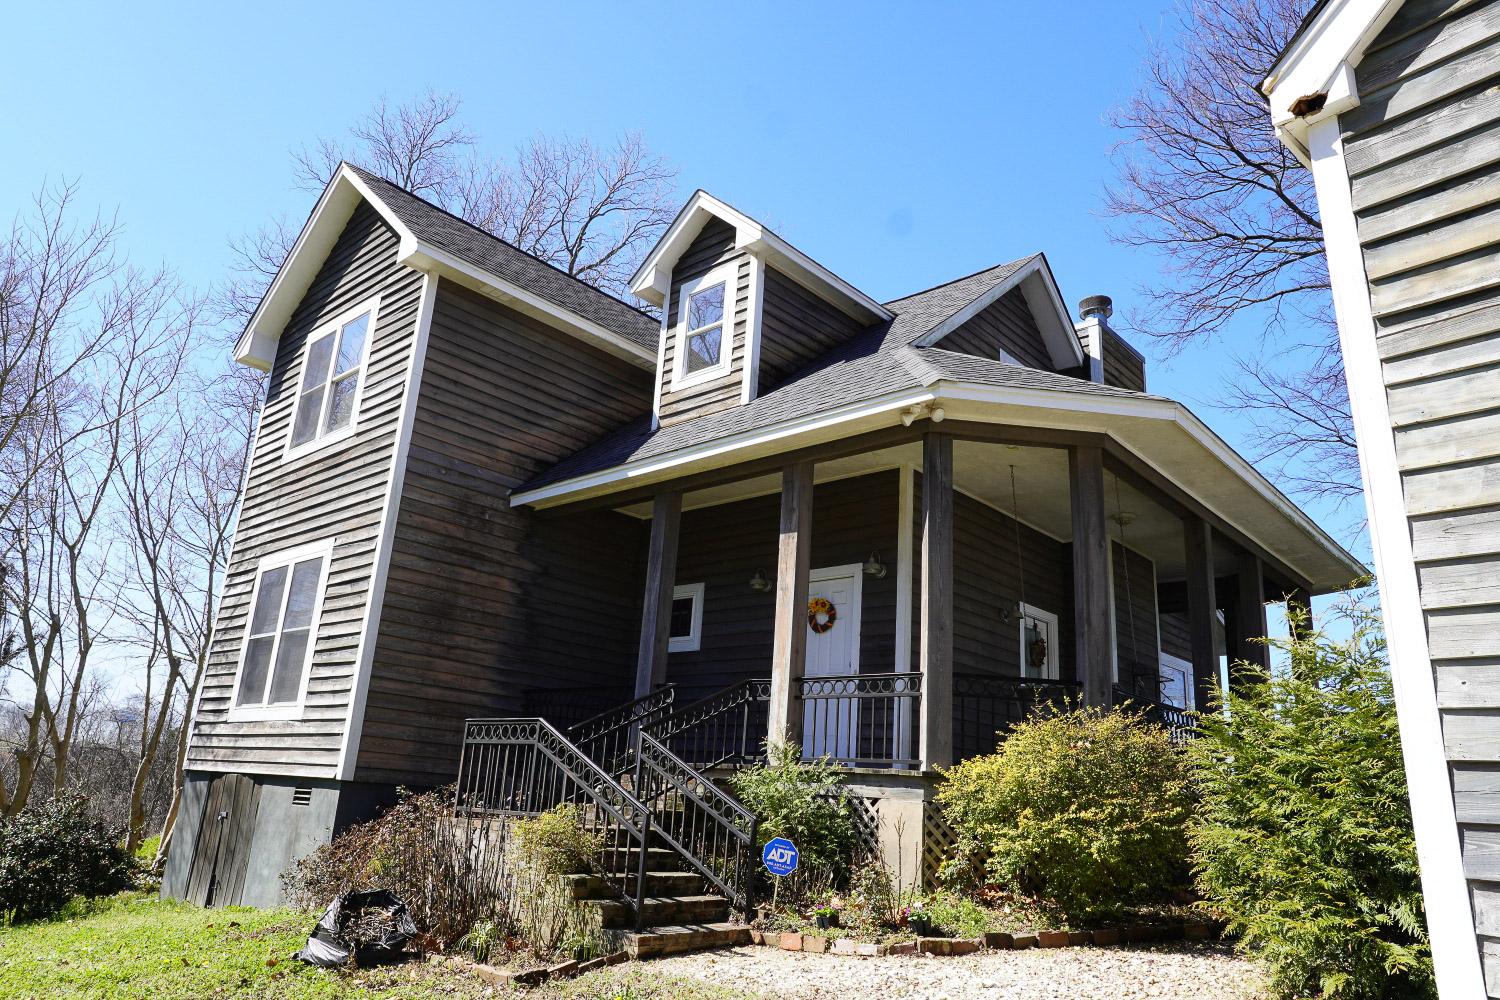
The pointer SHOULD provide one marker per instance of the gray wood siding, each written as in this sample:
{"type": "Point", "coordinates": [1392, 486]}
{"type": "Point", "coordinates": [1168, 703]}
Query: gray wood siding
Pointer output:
{"type": "Point", "coordinates": [1124, 368]}
{"type": "Point", "coordinates": [1136, 644]}
{"type": "Point", "coordinates": [1423, 152]}
{"type": "Point", "coordinates": [1176, 637]}
{"type": "Point", "coordinates": [723, 546]}
{"type": "Point", "coordinates": [1005, 324]}
{"type": "Point", "coordinates": [484, 601]}
{"type": "Point", "coordinates": [796, 328]}
{"type": "Point", "coordinates": [714, 246]}
{"type": "Point", "coordinates": [336, 494]}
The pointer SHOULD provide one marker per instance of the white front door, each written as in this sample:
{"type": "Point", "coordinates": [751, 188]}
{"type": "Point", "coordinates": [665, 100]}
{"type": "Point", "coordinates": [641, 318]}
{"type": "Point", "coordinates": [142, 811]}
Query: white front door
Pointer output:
{"type": "Point", "coordinates": [830, 724]}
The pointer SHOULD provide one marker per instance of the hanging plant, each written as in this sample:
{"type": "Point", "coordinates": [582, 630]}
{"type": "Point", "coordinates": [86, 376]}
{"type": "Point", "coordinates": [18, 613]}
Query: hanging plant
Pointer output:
{"type": "Point", "coordinates": [1036, 653]}
{"type": "Point", "coordinates": [821, 614]}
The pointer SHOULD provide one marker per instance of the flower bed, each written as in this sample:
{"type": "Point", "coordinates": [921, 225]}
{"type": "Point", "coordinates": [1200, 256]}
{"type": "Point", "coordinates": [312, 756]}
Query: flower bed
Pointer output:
{"type": "Point", "coordinates": [825, 942]}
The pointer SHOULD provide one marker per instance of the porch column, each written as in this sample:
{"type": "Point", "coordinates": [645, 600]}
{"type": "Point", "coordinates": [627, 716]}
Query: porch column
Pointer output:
{"type": "Point", "coordinates": [793, 560]}
{"type": "Point", "coordinates": [1090, 574]}
{"type": "Point", "coordinates": [937, 601]}
{"type": "Point", "coordinates": [1198, 546]}
{"type": "Point", "coordinates": [661, 579]}
{"type": "Point", "coordinates": [1249, 613]}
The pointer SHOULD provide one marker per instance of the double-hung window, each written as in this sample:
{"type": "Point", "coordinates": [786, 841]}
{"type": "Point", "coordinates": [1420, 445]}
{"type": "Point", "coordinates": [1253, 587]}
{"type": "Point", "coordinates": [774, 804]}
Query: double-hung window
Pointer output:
{"type": "Point", "coordinates": [703, 337]}
{"type": "Point", "coordinates": [686, 632]}
{"type": "Point", "coordinates": [328, 395]}
{"type": "Point", "coordinates": [284, 609]}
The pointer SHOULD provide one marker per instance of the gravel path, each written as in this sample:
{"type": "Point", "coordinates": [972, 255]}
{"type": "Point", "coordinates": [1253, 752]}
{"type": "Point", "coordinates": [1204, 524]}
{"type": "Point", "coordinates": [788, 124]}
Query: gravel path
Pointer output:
{"type": "Point", "coordinates": [1180, 973]}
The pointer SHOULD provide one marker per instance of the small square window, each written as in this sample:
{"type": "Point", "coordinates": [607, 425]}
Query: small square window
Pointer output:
{"type": "Point", "coordinates": [328, 394]}
{"type": "Point", "coordinates": [686, 629]}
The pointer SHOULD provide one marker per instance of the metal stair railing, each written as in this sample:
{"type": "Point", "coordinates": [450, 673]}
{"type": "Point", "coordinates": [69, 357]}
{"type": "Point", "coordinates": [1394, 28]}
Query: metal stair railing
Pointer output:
{"type": "Point", "coordinates": [607, 737]}
{"type": "Point", "coordinates": [513, 768]}
{"type": "Point", "coordinates": [1181, 724]}
{"type": "Point", "coordinates": [726, 727]}
{"type": "Point", "coordinates": [709, 828]}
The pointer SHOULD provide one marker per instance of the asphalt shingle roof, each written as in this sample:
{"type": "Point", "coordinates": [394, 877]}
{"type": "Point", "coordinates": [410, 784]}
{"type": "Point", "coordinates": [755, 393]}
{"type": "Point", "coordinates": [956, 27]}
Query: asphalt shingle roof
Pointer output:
{"type": "Point", "coordinates": [469, 243]}
{"type": "Point", "coordinates": [876, 363]}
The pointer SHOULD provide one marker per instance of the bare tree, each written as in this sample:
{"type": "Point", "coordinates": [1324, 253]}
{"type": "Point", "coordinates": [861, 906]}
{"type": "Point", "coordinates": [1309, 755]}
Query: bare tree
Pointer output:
{"type": "Point", "coordinates": [1205, 183]}
{"type": "Point", "coordinates": [590, 210]}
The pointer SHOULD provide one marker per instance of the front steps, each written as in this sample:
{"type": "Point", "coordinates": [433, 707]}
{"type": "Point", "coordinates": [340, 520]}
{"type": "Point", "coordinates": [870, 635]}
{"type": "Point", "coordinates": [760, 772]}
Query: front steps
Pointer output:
{"type": "Point", "coordinates": [676, 915]}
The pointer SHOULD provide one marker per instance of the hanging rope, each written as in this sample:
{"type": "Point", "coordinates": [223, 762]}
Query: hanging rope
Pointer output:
{"type": "Point", "coordinates": [1015, 517]}
{"type": "Point", "coordinates": [1125, 560]}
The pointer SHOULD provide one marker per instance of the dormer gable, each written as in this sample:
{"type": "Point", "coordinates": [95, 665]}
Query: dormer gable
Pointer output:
{"type": "Point", "coordinates": [740, 307]}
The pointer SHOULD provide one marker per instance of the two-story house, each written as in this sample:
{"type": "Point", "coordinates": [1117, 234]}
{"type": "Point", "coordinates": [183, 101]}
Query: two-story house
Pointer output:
{"type": "Point", "coordinates": [481, 487]}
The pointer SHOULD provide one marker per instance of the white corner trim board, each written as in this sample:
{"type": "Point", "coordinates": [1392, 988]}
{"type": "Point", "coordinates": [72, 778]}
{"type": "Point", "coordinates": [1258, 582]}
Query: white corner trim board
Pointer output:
{"type": "Point", "coordinates": [369, 630]}
{"type": "Point", "coordinates": [1450, 919]}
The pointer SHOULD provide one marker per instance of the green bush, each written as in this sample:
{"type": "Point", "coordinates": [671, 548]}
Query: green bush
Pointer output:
{"type": "Point", "coordinates": [555, 842]}
{"type": "Point", "coordinates": [1304, 840]}
{"type": "Point", "coordinates": [1084, 810]}
{"type": "Point", "coordinates": [804, 802]}
{"type": "Point", "coordinates": [52, 852]}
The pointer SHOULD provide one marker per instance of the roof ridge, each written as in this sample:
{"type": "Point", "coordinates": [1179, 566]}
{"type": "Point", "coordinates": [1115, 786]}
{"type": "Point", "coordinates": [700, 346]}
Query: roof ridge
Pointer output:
{"type": "Point", "coordinates": [370, 175]}
{"type": "Point", "coordinates": [966, 277]}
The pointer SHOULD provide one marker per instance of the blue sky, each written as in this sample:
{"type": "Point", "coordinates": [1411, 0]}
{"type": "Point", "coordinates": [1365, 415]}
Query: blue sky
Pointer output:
{"type": "Point", "coordinates": [901, 145]}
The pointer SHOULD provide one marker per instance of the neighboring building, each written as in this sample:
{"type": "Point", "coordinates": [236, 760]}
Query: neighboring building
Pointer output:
{"type": "Point", "coordinates": [1396, 108]}
{"type": "Point", "coordinates": [481, 487]}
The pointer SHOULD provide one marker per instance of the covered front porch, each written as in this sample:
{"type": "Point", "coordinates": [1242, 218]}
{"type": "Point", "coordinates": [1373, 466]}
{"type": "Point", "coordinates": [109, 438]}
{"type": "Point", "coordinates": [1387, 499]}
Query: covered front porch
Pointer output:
{"type": "Point", "coordinates": [895, 599]}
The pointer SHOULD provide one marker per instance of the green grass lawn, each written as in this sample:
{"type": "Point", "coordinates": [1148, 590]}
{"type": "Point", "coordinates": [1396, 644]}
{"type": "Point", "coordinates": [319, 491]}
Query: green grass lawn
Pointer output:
{"type": "Point", "coordinates": [135, 945]}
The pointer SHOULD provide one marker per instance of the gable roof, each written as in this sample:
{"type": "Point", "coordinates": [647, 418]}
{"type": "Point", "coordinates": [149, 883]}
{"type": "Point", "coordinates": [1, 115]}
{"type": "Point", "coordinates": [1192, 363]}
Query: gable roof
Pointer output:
{"type": "Point", "coordinates": [652, 279]}
{"type": "Point", "coordinates": [438, 242]}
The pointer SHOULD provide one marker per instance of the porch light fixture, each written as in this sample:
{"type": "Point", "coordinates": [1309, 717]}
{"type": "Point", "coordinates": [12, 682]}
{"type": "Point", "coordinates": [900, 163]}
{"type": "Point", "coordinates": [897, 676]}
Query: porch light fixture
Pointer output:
{"type": "Point", "coordinates": [874, 567]}
{"type": "Point", "coordinates": [759, 583]}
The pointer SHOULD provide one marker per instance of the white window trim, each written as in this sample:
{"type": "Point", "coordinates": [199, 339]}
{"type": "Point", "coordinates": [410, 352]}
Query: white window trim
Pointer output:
{"type": "Point", "coordinates": [691, 642]}
{"type": "Point", "coordinates": [287, 711]}
{"type": "Point", "coordinates": [1186, 666]}
{"type": "Point", "coordinates": [1053, 669]}
{"type": "Point", "coordinates": [320, 442]}
{"type": "Point", "coordinates": [727, 275]}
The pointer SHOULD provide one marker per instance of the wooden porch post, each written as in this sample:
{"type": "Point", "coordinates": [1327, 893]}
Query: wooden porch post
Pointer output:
{"type": "Point", "coordinates": [1090, 574]}
{"type": "Point", "coordinates": [937, 601]}
{"type": "Point", "coordinates": [793, 561]}
{"type": "Point", "coordinates": [1249, 613]}
{"type": "Point", "coordinates": [661, 579]}
{"type": "Point", "coordinates": [1198, 545]}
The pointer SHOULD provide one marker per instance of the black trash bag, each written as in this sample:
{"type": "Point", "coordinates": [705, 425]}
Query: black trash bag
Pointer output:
{"type": "Point", "coordinates": [369, 927]}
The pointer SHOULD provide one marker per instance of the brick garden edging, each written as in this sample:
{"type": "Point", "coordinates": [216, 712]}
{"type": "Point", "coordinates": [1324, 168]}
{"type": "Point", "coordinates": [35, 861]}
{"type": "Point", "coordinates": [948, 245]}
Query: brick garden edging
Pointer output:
{"type": "Point", "coordinates": [995, 940]}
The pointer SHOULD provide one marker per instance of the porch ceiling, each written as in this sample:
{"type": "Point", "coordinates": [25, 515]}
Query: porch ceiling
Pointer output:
{"type": "Point", "coordinates": [982, 471]}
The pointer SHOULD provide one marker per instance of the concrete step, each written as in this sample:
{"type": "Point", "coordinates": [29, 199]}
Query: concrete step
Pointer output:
{"type": "Point", "coordinates": [673, 939]}
{"type": "Point", "coordinates": [626, 858]}
{"type": "Point", "coordinates": [658, 883]}
{"type": "Point", "coordinates": [659, 910]}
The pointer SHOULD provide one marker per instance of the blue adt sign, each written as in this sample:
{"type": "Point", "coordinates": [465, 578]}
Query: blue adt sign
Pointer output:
{"type": "Point", "coordinates": [780, 856]}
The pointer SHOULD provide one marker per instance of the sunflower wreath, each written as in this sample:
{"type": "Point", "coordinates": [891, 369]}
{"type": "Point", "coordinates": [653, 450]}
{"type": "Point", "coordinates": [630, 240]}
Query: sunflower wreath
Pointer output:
{"type": "Point", "coordinates": [821, 614]}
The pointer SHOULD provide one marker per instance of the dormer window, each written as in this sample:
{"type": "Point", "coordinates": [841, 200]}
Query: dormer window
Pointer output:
{"type": "Point", "coordinates": [332, 372]}
{"type": "Point", "coordinates": [703, 334]}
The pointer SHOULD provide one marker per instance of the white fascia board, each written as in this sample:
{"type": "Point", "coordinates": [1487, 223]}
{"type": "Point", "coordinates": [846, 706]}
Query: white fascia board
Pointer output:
{"type": "Point", "coordinates": [652, 280]}
{"type": "Point", "coordinates": [1043, 298]}
{"type": "Point", "coordinates": [1450, 919]}
{"type": "Point", "coordinates": [256, 346]}
{"type": "Point", "coordinates": [781, 436]}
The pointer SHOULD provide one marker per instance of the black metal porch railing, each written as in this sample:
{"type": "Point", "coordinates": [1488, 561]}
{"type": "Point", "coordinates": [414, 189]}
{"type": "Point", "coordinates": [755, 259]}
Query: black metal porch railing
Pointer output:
{"type": "Point", "coordinates": [985, 707]}
{"type": "Point", "coordinates": [522, 767]}
{"type": "Point", "coordinates": [1181, 724]}
{"type": "Point", "coordinates": [862, 720]}
{"type": "Point", "coordinates": [712, 832]}
{"type": "Point", "coordinates": [607, 737]}
{"type": "Point", "coordinates": [726, 727]}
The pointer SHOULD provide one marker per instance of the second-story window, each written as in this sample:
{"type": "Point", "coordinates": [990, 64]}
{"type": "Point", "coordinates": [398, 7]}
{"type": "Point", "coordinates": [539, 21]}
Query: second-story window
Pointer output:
{"type": "Point", "coordinates": [328, 394]}
{"type": "Point", "coordinates": [703, 340]}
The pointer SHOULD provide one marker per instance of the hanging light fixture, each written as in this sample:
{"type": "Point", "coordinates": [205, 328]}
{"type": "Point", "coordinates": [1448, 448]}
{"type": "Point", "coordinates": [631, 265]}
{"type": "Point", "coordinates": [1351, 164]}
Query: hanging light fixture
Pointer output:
{"type": "Point", "coordinates": [759, 582]}
{"type": "Point", "coordinates": [874, 567]}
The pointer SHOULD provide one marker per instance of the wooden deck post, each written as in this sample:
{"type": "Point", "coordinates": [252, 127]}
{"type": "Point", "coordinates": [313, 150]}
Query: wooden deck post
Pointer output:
{"type": "Point", "coordinates": [1198, 548]}
{"type": "Point", "coordinates": [1249, 613]}
{"type": "Point", "coordinates": [937, 601]}
{"type": "Point", "coordinates": [1090, 575]}
{"type": "Point", "coordinates": [793, 562]}
{"type": "Point", "coordinates": [661, 580]}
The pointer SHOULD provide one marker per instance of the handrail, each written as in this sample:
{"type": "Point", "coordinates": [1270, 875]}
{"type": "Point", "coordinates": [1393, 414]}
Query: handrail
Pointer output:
{"type": "Point", "coordinates": [523, 767]}
{"type": "Point", "coordinates": [986, 706]}
{"type": "Point", "coordinates": [711, 830]}
{"type": "Point", "coordinates": [1181, 724]}
{"type": "Point", "coordinates": [862, 719]}
{"type": "Point", "coordinates": [605, 737]}
{"type": "Point", "coordinates": [728, 726]}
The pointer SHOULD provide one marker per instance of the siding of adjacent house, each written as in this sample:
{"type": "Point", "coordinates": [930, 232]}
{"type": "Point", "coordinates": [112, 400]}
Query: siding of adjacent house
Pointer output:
{"type": "Point", "coordinates": [1423, 154]}
{"type": "Point", "coordinates": [714, 246]}
{"type": "Point", "coordinates": [484, 601]}
{"type": "Point", "coordinates": [339, 494]}
{"type": "Point", "coordinates": [1006, 324]}
{"type": "Point", "coordinates": [796, 328]}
